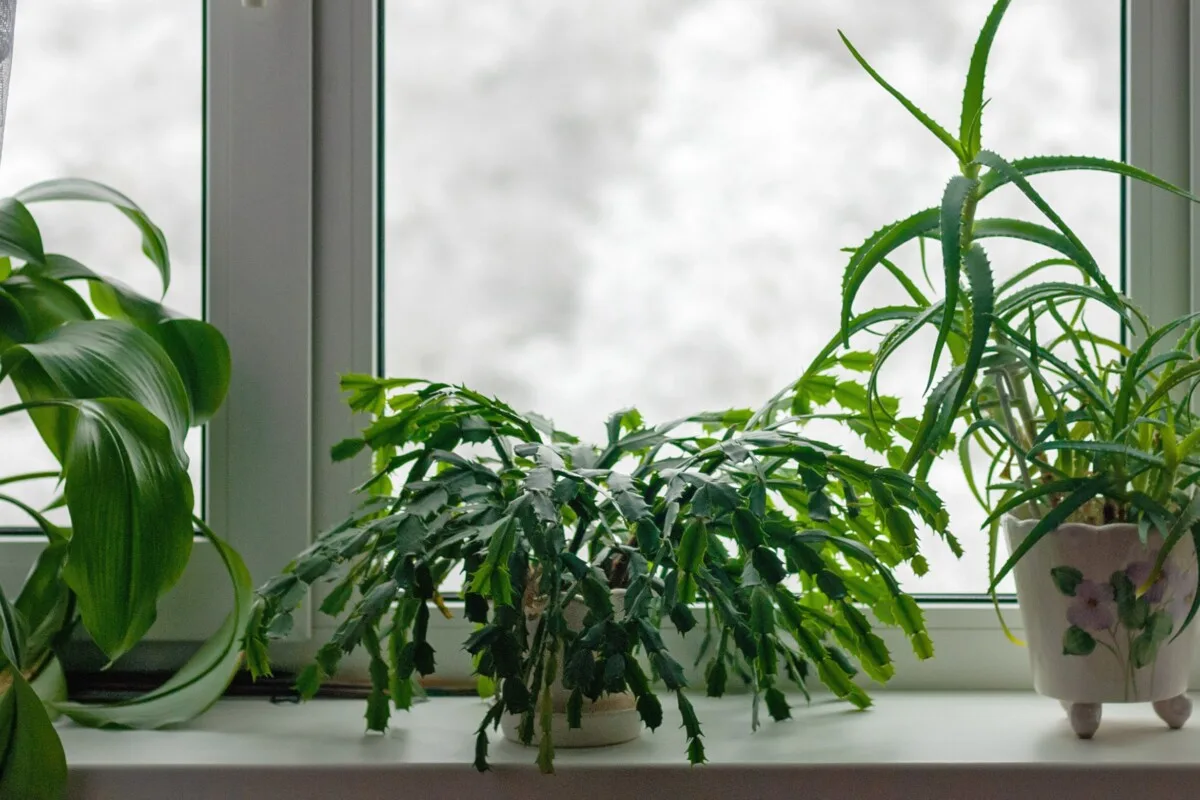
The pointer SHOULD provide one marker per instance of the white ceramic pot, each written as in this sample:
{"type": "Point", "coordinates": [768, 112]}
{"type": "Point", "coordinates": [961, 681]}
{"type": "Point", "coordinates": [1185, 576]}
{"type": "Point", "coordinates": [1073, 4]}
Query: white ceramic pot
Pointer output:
{"type": "Point", "coordinates": [612, 719]}
{"type": "Point", "coordinates": [1091, 639]}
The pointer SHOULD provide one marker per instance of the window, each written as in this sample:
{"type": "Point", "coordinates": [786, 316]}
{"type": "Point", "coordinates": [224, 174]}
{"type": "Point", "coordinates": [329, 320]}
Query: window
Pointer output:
{"type": "Point", "coordinates": [622, 202]}
{"type": "Point", "coordinates": [630, 203]}
{"type": "Point", "coordinates": [116, 96]}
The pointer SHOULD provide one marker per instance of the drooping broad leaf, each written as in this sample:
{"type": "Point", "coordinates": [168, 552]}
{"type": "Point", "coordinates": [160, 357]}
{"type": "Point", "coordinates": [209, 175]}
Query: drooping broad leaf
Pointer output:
{"type": "Point", "coordinates": [154, 243]}
{"type": "Point", "coordinates": [200, 682]}
{"type": "Point", "coordinates": [130, 501]}
{"type": "Point", "coordinates": [33, 765]}
{"type": "Point", "coordinates": [99, 359]}
{"type": "Point", "coordinates": [196, 348]}
{"type": "Point", "coordinates": [19, 234]}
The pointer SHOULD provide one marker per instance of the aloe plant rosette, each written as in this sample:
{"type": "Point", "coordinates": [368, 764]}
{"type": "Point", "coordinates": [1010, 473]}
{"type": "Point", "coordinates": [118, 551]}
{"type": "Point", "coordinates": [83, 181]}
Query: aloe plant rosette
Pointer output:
{"type": "Point", "coordinates": [1089, 445]}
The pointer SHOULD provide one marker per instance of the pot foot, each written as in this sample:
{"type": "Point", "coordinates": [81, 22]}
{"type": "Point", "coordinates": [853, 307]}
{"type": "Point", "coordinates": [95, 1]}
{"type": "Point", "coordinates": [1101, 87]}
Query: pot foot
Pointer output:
{"type": "Point", "coordinates": [1174, 711]}
{"type": "Point", "coordinates": [1085, 718]}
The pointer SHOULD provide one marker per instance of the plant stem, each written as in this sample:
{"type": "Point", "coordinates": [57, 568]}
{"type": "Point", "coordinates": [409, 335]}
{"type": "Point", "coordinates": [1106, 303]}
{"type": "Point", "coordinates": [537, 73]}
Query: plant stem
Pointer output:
{"type": "Point", "coordinates": [30, 476]}
{"type": "Point", "coordinates": [1002, 392]}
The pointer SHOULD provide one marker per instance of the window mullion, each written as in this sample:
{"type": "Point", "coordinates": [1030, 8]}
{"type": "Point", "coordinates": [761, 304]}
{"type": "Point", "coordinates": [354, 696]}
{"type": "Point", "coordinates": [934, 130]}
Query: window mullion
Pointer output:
{"type": "Point", "coordinates": [1158, 133]}
{"type": "Point", "coordinates": [260, 212]}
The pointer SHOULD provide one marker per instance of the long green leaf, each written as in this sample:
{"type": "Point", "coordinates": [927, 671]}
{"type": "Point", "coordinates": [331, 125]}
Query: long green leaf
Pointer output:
{"type": "Point", "coordinates": [1037, 165]}
{"type": "Point", "coordinates": [154, 244]}
{"type": "Point", "coordinates": [871, 253]}
{"type": "Point", "coordinates": [934, 128]}
{"type": "Point", "coordinates": [1061, 486]}
{"type": "Point", "coordinates": [1055, 517]}
{"type": "Point", "coordinates": [936, 421]}
{"type": "Point", "coordinates": [130, 501]}
{"type": "Point", "coordinates": [1051, 291]}
{"type": "Point", "coordinates": [200, 682]}
{"type": "Point", "coordinates": [19, 234]}
{"type": "Point", "coordinates": [1100, 449]}
{"type": "Point", "coordinates": [33, 765]}
{"type": "Point", "coordinates": [1181, 527]}
{"type": "Point", "coordinates": [950, 221]}
{"type": "Point", "coordinates": [44, 305]}
{"type": "Point", "coordinates": [45, 600]}
{"type": "Point", "coordinates": [99, 359]}
{"type": "Point", "coordinates": [1039, 234]}
{"type": "Point", "coordinates": [979, 280]}
{"type": "Point", "coordinates": [52, 531]}
{"type": "Point", "coordinates": [1031, 270]}
{"type": "Point", "coordinates": [1097, 400]}
{"type": "Point", "coordinates": [197, 349]}
{"type": "Point", "coordinates": [1086, 261]}
{"type": "Point", "coordinates": [892, 342]}
{"type": "Point", "coordinates": [1189, 372]}
{"type": "Point", "coordinates": [970, 123]}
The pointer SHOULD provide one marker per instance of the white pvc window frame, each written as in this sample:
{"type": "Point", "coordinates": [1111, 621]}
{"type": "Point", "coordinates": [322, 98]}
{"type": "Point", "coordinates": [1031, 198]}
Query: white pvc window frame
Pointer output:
{"type": "Point", "coordinates": [292, 202]}
{"type": "Point", "coordinates": [1162, 54]}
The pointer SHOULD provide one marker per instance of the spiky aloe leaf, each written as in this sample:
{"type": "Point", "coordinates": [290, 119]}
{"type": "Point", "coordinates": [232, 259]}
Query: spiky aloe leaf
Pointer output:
{"type": "Point", "coordinates": [971, 123]}
{"type": "Point", "coordinates": [871, 253]}
{"type": "Point", "coordinates": [892, 341]}
{"type": "Point", "coordinates": [1182, 375]}
{"type": "Point", "coordinates": [1182, 526]}
{"type": "Point", "coordinates": [1038, 165]}
{"type": "Point", "coordinates": [983, 298]}
{"type": "Point", "coordinates": [1133, 366]}
{"type": "Point", "coordinates": [996, 163]}
{"type": "Point", "coordinates": [1053, 291]}
{"type": "Point", "coordinates": [1098, 449]}
{"type": "Point", "coordinates": [934, 128]}
{"type": "Point", "coordinates": [935, 421]}
{"type": "Point", "coordinates": [955, 201]}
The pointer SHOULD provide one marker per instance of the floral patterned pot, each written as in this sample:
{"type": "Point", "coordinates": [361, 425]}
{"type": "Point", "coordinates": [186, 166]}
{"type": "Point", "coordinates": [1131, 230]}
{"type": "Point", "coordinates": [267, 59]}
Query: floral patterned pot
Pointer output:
{"type": "Point", "coordinates": [1091, 639]}
{"type": "Point", "coordinates": [612, 719]}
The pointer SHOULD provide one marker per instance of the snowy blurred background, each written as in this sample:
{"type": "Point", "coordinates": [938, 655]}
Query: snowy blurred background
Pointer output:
{"type": "Point", "coordinates": [591, 204]}
{"type": "Point", "coordinates": [110, 90]}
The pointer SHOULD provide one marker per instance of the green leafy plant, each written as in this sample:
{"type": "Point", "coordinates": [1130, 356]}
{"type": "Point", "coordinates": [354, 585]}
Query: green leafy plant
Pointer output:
{"type": "Point", "coordinates": [781, 539]}
{"type": "Point", "coordinates": [1073, 426]}
{"type": "Point", "coordinates": [112, 397]}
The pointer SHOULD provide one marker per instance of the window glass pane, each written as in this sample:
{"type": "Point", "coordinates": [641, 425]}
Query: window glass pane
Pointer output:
{"type": "Point", "coordinates": [590, 205]}
{"type": "Point", "coordinates": [110, 90]}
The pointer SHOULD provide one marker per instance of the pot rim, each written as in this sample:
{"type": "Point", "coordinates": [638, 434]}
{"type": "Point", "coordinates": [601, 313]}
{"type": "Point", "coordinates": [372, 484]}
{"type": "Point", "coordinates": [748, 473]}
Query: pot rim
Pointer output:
{"type": "Point", "coordinates": [1026, 524]}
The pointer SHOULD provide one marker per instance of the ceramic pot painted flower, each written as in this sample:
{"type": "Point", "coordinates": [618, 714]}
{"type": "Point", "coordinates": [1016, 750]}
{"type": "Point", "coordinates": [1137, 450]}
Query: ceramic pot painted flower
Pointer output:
{"type": "Point", "coordinates": [1092, 608]}
{"type": "Point", "coordinates": [1109, 614]}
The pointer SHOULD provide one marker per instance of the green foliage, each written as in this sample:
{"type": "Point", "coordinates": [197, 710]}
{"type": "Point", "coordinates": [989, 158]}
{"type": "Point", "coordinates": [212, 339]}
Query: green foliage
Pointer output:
{"type": "Point", "coordinates": [112, 388]}
{"type": "Point", "coordinates": [778, 535]}
{"type": "Point", "coordinates": [1073, 426]}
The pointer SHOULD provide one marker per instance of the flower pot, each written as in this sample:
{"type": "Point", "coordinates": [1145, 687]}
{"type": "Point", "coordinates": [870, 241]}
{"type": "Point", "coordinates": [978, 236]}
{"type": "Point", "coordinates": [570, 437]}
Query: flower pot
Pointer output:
{"type": "Point", "coordinates": [1091, 639]}
{"type": "Point", "coordinates": [612, 719]}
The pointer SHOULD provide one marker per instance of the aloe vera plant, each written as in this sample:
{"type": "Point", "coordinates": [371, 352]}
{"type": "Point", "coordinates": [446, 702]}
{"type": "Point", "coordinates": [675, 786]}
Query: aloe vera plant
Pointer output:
{"type": "Point", "coordinates": [1073, 426]}
{"type": "Point", "coordinates": [782, 539]}
{"type": "Point", "coordinates": [113, 387]}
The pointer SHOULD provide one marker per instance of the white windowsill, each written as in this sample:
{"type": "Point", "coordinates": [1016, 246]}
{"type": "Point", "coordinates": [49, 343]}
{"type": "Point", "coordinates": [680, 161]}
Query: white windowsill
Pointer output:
{"type": "Point", "coordinates": [976, 745]}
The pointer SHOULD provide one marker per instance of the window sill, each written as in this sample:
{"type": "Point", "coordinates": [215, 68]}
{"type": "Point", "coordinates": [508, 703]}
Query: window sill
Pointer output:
{"type": "Point", "coordinates": [912, 744]}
